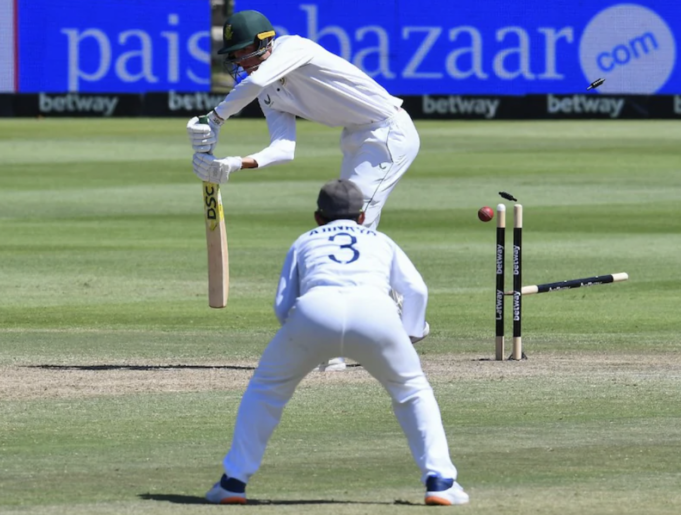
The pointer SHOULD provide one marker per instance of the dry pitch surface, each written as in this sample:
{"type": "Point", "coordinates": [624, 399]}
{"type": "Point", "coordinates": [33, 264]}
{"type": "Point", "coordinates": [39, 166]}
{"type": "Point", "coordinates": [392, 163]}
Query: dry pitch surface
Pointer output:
{"type": "Point", "coordinates": [50, 381]}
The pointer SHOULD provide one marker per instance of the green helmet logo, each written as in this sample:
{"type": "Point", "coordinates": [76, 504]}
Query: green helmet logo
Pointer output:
{"type": "Point", "coordinates": [246, 28]}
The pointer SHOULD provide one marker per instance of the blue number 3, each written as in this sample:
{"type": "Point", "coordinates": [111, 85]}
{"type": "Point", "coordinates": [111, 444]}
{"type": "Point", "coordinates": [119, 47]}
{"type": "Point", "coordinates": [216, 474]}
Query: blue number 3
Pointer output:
{"type": "Point", "coordinates": [355, 252]}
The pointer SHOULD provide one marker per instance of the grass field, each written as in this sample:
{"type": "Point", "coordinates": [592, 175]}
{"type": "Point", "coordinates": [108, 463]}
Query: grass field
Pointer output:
{"type": "Point", "coordinates": [119, 386]}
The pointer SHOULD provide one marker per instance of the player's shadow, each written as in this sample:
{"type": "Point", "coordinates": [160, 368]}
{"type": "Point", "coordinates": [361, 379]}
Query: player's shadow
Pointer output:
{"type": "Point", "coordinates": [140, 367]}
{"type": "Point", "coordinates": [192, 499]}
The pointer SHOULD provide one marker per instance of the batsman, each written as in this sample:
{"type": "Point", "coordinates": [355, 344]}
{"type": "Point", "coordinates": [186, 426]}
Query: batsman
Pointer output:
{"type": "Point", "coordinates": [292, 76]}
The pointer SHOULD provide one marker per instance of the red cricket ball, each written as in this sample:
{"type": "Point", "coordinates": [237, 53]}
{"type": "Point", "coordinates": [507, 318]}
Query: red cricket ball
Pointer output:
{"type": "Point", "coordinates": [485, 214]}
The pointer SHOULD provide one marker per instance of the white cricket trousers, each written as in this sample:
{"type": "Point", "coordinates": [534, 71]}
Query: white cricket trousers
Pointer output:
{"type": "Point", "coordinates": [375, 156]}
{"type": "Point", "coordinates": [363, 324]}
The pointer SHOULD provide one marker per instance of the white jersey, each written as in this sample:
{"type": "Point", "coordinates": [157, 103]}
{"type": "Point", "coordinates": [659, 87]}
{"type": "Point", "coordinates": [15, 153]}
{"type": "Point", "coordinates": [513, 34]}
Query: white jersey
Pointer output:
{"type": "Point", "coordinates": [300, 78]}
{"type": "Point", "coordinates": [345, 254]}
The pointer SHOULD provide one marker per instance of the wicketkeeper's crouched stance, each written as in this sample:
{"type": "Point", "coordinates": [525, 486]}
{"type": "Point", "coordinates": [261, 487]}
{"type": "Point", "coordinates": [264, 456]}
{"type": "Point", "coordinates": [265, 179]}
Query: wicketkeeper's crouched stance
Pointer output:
{"type": "Point", "coordinates": [333, 300]}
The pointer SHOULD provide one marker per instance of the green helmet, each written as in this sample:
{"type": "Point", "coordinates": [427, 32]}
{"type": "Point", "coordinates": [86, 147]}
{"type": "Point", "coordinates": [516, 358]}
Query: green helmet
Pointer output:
{"type": "Point", "coordinates": [246, 28]}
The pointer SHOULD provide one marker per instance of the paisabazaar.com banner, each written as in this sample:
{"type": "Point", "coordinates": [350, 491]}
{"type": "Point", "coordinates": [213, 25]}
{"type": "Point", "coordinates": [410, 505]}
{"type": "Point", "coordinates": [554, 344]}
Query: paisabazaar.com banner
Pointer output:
{"type": "Point", "coordinates": [113, 46]}
{"type": "Point", "coordinates": [495, 47]}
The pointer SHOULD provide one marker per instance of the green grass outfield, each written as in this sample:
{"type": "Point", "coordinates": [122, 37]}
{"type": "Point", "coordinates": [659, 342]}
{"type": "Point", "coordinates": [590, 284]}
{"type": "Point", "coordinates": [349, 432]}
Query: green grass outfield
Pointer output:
{"type": "Point", "coordinates": [119, 386]}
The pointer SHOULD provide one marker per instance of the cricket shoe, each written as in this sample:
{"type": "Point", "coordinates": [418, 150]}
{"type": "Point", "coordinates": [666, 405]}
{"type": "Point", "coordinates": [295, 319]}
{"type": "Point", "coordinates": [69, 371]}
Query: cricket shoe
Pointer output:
{"type": "Point", "coordinates": [333, 365]}
{"type": "Point", "coordinates": [444, 492]}
{"type": "Point", "coordinates": [227, 491]}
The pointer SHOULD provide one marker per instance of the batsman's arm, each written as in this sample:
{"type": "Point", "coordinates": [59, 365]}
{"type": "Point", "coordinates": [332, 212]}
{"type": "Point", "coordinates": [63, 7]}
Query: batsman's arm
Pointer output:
{"type": "Point", "coordinates": [282, 129]}
{"type": "Point", "coordinates": [248, 162]}
{"type": "Point", "coordinates": [243, 94]}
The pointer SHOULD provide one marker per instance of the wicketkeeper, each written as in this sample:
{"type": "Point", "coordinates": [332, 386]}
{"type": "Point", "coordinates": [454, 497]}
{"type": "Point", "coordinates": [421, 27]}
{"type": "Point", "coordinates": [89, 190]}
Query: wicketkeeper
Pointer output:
{"type": "Point", "coordinates": [333, 300]}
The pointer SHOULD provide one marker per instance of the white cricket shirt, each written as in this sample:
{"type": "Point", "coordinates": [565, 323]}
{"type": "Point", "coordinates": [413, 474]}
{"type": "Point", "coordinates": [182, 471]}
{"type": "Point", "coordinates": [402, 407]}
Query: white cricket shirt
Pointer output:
{"type": "Point", "coordinates": [345, 254]}
{"type": "Point", "coordinates": [300, 78]}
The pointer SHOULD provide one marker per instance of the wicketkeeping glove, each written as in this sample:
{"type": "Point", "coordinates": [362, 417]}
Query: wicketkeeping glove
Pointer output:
{"type": "Point", "coordinates": [210, 169]}
{"type": "Point", "coordinates": [204, 137]}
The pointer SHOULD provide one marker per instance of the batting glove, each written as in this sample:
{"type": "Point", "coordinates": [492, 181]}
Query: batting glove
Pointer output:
{"type": "Point", "coordinates": [210, 169]}
{"type": "Point", "coordinates": [204, 137]}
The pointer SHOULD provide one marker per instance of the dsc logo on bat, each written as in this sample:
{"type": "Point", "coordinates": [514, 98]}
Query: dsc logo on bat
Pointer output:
{"type": "Point", "coordinates": [213, 204]}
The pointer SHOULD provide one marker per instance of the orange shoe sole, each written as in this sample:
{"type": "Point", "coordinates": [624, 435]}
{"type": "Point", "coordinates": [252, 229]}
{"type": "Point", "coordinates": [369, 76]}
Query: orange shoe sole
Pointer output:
{"type": "Point", "coordinates": [233, 500]}
{"type": "Point", "coordinates": [432, 500]}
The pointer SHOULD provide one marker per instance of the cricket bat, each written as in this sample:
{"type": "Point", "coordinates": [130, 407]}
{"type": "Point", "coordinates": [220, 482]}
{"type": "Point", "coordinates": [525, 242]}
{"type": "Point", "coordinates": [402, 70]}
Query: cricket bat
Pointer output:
{"type": "Point", "coordinates": [216, 241]}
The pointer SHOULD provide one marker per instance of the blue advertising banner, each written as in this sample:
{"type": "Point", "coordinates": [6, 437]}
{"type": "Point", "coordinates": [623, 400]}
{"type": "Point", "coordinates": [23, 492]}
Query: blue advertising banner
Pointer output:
{"type": "Point", "coordinates": [494, 46]}
{"type": "Point", "coordinates": [122, 46]}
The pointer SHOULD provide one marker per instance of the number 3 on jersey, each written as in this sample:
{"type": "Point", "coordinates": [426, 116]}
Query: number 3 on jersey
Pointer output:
{"type": "Point", "coordinates": [349, 246]}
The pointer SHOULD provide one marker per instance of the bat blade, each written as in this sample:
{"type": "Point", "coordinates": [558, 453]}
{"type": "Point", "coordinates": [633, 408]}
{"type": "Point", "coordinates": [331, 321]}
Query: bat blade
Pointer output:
{"type": "Point", "coordinates": [216, 241]}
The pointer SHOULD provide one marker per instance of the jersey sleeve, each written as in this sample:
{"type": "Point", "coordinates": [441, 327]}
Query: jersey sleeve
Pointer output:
{"type": "Point", "coordinates": [282, 128]}
{"type": "Point", "coordinates": [406, 280]}
{"type": "Point", "coordinates": [243, 94]}
{"type": "Point", "coordinates": [289, 288]}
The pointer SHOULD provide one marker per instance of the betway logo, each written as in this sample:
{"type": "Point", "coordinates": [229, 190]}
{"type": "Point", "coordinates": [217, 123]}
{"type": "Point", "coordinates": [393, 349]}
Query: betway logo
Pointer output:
{"type": "Point", "coordinates": [485, 107]}
{"type": "Point", "coordinates": [585, 104]}
{"type": "Point", "coordinates": [76, 103]}
{"type": "Point", "coordinates": [193, 101]}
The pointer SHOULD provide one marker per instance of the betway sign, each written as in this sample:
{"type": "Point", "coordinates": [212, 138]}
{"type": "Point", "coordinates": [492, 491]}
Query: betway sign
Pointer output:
{"type": "Point", "coordinates": [461, 106]}
{"type": "Point", "coordinates": [581, 104]}
{"type": "Point", "coordinates": [73, 103]}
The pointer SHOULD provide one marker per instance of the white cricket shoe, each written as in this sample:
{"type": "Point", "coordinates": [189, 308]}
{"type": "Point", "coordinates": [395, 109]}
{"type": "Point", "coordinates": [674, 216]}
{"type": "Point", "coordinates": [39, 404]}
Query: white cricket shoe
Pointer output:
{"type": "Point", "coordinates": [227, 491]}
{"type": "Point", "coordinates": [333, 365]}
{"type": "Point", "coordinates": [444, 492]}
